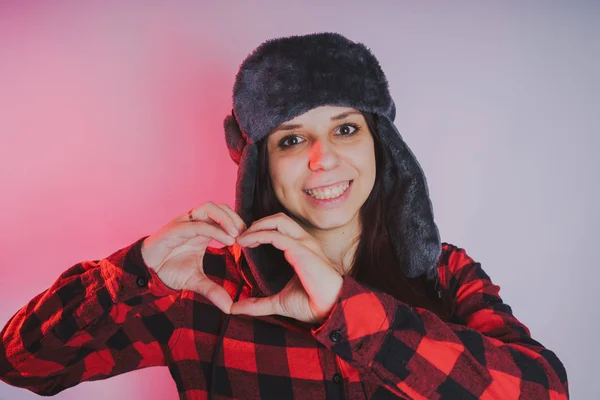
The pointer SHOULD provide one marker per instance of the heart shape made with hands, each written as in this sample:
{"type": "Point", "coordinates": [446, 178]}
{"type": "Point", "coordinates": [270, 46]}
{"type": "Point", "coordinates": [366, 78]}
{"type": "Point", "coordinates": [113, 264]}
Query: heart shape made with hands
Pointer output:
{"type": "Point", "coordinates": [313, 292]}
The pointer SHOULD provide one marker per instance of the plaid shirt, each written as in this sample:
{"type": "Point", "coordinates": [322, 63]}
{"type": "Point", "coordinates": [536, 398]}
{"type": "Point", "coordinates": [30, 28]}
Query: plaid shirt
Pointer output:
{"type": "Point", "coordinates": [103, 318]}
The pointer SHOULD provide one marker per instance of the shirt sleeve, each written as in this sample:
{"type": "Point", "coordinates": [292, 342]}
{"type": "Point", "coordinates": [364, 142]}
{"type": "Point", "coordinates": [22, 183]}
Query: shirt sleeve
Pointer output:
{"type": "Point", "coordinates": [413, 353]}
{"type": "Point", "coordinates": [99, 319]}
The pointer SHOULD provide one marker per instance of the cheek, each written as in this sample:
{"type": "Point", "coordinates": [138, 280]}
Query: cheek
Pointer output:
{"type": "Point", "coordinates": [276, 183]}
{"type": "Point", "coordinates": [372, 163]}
{"type": "Point", "coordinates": [274, 168]}
{"type": "Point", "coordinates": [284, 175]}
{"type": "Point", "coordinates": [364, 159]}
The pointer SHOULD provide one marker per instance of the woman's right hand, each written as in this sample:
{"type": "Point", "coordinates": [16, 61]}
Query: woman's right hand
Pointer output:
{"type": "Point", "coordinates": [176, 252]}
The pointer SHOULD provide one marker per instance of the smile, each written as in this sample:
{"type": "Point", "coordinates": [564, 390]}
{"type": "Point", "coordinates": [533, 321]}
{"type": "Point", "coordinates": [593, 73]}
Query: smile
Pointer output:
{"type": "Point", "coordinates": [329, 192]}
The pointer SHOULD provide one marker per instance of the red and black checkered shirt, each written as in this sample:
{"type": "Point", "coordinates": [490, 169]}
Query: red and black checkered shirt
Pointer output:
{"type": "Point", "coordinates": [106, 317]}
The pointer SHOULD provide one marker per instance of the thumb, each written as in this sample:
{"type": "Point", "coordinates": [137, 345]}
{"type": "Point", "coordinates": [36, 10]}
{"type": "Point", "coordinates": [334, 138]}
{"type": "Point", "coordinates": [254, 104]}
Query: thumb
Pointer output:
{"type": "Point", "coordinates": [257, 306]}
{"type": "Point", "coordinates": [214, 293]}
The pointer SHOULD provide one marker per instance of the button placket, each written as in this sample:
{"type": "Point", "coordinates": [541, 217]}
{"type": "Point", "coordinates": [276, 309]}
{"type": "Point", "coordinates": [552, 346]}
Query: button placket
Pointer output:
{"type": "Point", "coordinates": [337, 378]}
{"type": "Point", "coordinates": [335, 336]}
{"type": "Point", "coordinates": [141, 281]}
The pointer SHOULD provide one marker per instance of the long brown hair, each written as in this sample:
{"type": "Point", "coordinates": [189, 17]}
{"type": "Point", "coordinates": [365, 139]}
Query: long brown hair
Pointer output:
{"type": "Point", "coordinates": [374, 261]}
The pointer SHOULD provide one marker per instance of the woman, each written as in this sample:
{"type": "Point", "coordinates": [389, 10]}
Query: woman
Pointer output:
{"type": "Point", "coordinates": [333, 282]}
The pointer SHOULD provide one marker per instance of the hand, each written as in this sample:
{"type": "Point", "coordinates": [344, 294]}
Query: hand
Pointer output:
{"type": "Point", "coordinates": [314, 290]}
{"type": "Point", "coordinates": [176, 252]}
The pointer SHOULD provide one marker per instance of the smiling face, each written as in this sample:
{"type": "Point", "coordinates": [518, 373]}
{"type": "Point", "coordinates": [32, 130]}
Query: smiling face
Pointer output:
{"type": "Point", "coordinates": [322, 167]}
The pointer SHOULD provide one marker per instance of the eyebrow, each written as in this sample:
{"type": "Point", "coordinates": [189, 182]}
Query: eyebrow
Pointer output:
{"type": "Point", "coordinates": [289, 127]}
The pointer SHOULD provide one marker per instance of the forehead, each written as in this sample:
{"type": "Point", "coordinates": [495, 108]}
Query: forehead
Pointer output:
{"type": "Point", "coordinates": [324, 113]}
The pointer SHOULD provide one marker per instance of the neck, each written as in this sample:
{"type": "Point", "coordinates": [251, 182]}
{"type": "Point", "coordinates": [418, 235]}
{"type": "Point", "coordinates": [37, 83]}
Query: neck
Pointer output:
{"type": "Point", "coordinates": [339, 245]}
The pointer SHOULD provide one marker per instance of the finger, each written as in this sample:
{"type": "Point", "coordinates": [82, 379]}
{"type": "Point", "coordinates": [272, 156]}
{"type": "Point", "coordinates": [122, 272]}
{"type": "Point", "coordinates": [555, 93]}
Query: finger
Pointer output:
{"type": "Point", "coordinates": [186, 232]}
{"type": "Point", "coordinates": [279, 240]}
{"type": "Point", "coordinates": [286, 225]}
{"type": "Point", "coordinates": [214, 293]}
{"type": "Point", "coordinates": [238, 221]}
{"type": "Point", "coordinates": [317, 277]}
{"type": "Point", "coordinates": [256, 306]}
{"type": "Point", "coordinates": [210, 211]}
{"type": "Point", "coordinates": [218, 214]}
{"type": "Point", "coordinates": [293, 250]}
{"type": "Point", "coordinates": [279, 222]}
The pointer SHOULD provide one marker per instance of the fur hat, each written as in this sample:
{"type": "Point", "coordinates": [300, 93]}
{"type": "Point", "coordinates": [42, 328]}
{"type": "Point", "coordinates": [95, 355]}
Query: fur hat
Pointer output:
{"type": "Point", "coordinates": [286, 77]}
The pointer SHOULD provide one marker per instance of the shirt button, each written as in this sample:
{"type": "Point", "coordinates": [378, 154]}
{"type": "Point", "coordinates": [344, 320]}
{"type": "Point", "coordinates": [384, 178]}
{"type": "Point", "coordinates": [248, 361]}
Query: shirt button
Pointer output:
{"type": "Point", "coordinates": [337, 378]}
{"type": "Point", "coordinates": [335, 336]}
{"type": "Point", "coordinates": [141, 281]}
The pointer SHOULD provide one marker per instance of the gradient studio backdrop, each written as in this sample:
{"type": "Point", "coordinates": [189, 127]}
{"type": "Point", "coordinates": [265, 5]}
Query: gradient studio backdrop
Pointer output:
{"type": "Point", "coordinates": [111, 125]}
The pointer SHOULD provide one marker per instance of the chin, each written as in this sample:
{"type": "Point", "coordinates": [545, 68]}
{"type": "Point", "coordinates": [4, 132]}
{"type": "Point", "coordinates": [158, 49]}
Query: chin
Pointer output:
{"type": "Point", "coordinates": [331, 220]}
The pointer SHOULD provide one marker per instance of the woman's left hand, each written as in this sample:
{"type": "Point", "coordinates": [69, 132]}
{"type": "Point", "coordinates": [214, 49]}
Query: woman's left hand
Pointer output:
{"type": "Point", "coordinates": [311, 294]}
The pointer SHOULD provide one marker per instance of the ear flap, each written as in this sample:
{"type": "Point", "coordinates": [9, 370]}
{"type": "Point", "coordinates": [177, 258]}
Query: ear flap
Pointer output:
{"type": "Point", "coordinates": [234, 137]}
{"type": "Point", "coordinates": [413, 232]}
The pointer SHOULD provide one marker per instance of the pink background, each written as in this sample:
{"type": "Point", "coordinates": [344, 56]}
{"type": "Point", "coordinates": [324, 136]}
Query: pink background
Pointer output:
{"type": "Point", "coordinates": [111, 125]}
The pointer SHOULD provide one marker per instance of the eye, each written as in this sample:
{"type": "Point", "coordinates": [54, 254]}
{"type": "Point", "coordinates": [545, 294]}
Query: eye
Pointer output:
{"type": "Point", "coordinates": [289, 141]}
{"type": "Point", "coordinates": [347, 129]}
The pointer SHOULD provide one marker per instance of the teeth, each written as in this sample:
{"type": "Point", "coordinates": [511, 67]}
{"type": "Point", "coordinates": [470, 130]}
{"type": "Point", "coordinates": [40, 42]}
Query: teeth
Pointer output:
{"type": "Point", "coordinates": [330, 192]}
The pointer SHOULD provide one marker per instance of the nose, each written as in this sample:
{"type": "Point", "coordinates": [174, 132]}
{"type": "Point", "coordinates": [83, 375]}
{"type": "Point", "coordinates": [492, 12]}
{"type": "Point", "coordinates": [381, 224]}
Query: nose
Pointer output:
{"type": "Point", "coordinates": [322, 156]}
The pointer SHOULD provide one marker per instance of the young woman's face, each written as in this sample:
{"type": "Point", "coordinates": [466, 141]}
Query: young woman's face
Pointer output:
{"type": "Point", "coordinates": [322, 166]}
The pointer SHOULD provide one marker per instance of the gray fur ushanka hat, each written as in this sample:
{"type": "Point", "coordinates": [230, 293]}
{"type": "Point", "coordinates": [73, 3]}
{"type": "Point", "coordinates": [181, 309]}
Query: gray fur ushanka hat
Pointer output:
{"type": "Point", "coordinates": [286, 77]}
